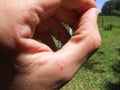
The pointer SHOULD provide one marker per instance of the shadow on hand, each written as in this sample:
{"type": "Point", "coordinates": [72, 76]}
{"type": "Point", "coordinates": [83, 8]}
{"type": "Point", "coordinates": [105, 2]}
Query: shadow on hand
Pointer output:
{"type": "Point", "coordinates": [7, 69]}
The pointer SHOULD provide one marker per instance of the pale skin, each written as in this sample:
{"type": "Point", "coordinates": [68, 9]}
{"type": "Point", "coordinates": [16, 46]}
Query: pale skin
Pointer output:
{"type": "Point", "coordinates": [31, 65]}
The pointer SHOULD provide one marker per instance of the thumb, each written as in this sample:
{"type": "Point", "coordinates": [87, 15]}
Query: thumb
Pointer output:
{"type": "Point", "coordinates": [29, 45]}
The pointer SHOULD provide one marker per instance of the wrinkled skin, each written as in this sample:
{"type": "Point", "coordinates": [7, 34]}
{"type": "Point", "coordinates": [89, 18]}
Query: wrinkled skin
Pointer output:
{"type": "Point", "coordinates": [27, 64]}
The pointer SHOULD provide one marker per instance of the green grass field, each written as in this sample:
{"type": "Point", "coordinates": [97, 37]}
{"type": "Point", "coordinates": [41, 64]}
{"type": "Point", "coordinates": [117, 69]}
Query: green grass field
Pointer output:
{"type": "Point", "coordinates": [102, 71]}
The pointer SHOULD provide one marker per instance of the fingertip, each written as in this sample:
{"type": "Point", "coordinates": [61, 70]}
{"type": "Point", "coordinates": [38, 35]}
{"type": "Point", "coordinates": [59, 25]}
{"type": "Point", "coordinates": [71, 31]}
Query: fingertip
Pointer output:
{"type": "Point", "coordinates": [93, 11]}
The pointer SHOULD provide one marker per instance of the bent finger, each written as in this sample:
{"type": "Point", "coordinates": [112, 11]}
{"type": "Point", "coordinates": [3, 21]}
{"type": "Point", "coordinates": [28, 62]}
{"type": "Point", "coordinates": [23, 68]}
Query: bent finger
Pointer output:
{"type": "Point", "coordinates": [85, 42]}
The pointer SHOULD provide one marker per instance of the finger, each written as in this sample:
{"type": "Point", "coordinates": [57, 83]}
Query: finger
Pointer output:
{"type": "Point", "coordinates": [85, 41]}
{"type": "Point", "coordinates": [46, 8]}
{"type": "Point", "coordinates": [68, 16]}
{"type": "Point", "coordinates": [88, 3]}
{"type": "Point", "coordinates": [43, 26]}
{"type": "Point", "coordinates": [28, 45]}
{"type": "Point", "coordinates": [46, 38]}
{"type": "Point", "coordinates": [55, 28]}
{"type": "Point", "coordinates": [81, 4]}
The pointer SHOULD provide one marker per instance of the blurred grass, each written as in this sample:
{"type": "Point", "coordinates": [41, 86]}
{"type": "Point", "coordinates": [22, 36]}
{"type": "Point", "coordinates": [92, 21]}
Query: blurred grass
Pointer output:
{"type": "Point", "coordinates": [102, 71]}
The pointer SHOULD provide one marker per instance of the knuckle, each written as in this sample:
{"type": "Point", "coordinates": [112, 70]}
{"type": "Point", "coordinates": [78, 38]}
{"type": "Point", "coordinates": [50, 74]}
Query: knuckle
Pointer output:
{"type": "Point", "coordinates": [62, 71]}
{"type": "Point", "coordinates": [97, 42]}
{"type": "Point", "coordinates": [94, 43]}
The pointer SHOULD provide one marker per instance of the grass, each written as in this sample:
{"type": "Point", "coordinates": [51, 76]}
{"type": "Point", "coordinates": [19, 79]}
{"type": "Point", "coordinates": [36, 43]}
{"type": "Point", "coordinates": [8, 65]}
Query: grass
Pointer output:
{"type": "Point", "coordinates": [102, 71]}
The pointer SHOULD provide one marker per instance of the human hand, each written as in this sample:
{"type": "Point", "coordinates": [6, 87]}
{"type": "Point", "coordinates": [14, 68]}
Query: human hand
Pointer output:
{"type": "Point", "coordinates": [36, 65]}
